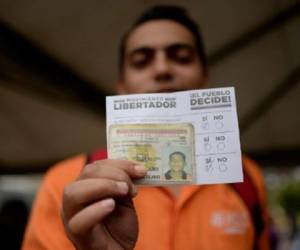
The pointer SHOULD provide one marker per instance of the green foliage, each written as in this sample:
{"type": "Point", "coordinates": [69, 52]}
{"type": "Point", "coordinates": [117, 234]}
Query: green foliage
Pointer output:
{"type": "Point", "coordinates": [289, 197]}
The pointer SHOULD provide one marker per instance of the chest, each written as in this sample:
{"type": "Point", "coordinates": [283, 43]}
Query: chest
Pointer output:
{"type": "Point", "coordinates": [207, 218]}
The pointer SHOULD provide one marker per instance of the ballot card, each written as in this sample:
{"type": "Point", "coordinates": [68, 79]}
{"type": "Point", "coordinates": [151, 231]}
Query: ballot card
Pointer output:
{"type": "Point", "coordinates": [185, 137]}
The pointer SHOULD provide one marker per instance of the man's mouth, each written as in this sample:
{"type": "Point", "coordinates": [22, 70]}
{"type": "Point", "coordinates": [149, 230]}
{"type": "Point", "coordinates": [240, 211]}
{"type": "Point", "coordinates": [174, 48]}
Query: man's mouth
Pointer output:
{"type": "Point", "coordinates": [167, 90]}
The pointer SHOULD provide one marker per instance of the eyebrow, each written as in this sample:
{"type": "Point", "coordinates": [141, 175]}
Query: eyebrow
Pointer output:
{"type": "Point", "coordinates": [150, 48]}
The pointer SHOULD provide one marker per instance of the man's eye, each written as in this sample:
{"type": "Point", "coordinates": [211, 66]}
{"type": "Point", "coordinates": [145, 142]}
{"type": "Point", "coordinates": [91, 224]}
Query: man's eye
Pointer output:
{"type": "Point", "coordinates": [139, 62]}
{"type": "Point", "coordinates": [181, 55]}
{"type": "Point", "coordinates": [141, 59]}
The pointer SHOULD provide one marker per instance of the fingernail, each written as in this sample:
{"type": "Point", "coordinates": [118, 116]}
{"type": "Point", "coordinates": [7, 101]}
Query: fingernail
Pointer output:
{"type": "Point", "coordinates": [134, 190]}
{"type": "Point", "coordinates": [108, 203]}
{"type": "Point", "coordinates": [123, 187]}
{"type": "Point", "coordinates": [140, 169]}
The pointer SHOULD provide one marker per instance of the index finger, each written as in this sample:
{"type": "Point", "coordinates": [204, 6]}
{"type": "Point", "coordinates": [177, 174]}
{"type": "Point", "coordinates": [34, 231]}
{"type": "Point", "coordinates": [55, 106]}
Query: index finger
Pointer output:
{"type": "Point", "coordinates": [132, 169]}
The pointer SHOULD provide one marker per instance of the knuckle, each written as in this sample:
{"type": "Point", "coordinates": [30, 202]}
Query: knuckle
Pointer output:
{"type": "Point", "coordinates": [88, 170]}
{"type": "Point", "coordinates": [92, 169]}
{"type": "Point", "coordinates": [68, 192]}
{"type": "Point", "coordinates": [130, 168]}
{"type": "Point", "coordinates": [72, 228]}
{"type": "Point", "coordinates": [107, 189]}
{"type": "Point", "coordinates": [69, 195]}
{"type": "Point", "coordinates": [121, 176]}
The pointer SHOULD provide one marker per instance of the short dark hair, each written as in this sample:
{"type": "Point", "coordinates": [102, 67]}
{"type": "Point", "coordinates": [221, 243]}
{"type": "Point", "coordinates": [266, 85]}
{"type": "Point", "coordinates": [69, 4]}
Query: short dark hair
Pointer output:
{"type": "Point", "coordinates": [169, 12]}
{"type": "Point", "coordinates": [177, 153]}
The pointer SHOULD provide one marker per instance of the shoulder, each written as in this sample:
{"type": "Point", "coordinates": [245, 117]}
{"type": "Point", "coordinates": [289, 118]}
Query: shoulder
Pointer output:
{"type": "Point", "coordinates": [45, 227]}
{"type": "Point", "coordinates": [252, 168]}
{"type": "Point", "coordinates": [64, 172]}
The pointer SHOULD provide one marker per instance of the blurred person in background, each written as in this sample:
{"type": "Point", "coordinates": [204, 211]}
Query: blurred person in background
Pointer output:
{"type": "Point", "coordinates": [90, 202]}
{"type": "Point", "coordinates": [13, 219]}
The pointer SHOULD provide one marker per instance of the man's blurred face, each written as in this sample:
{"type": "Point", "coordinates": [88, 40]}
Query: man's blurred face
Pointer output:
{"type": "Point", "coordinates": [160, 56]}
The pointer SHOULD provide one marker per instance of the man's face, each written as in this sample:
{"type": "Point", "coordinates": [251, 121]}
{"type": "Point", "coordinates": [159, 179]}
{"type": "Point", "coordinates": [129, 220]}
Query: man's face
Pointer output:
{"type": "Point", "coordinates": [160, 56]}
{"type": "Point", "coordinates": [177, 162]}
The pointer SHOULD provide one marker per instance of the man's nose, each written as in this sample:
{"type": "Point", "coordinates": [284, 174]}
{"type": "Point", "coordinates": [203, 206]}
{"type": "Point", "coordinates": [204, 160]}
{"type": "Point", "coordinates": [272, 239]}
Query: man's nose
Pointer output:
{"type": "Point", "coordinates": [162, 68]}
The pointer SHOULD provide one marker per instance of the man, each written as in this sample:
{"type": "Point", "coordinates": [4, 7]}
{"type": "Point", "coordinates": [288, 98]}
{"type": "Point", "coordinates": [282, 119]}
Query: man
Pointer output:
{"type": "Point", "coordinates": [177, 163]}
{"type": "Point", "coordinates": [162, 52]}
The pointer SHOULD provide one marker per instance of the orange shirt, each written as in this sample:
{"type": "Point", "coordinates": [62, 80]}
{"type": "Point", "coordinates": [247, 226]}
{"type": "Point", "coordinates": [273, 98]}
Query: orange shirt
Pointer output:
{"type": "Point", "coordinates": [202, 217]}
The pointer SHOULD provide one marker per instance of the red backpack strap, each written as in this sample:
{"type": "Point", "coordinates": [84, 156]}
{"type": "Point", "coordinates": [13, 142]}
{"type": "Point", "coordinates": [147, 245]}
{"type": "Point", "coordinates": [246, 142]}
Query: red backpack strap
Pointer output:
{"type": "Point", "coordinates": [96, 156]}
{"type": "Point", "coordinates": [249, 194]}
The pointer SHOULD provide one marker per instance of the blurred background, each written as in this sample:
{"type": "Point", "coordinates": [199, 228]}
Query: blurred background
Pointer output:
{"type": "Point", "coordinates": [58, 61]}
